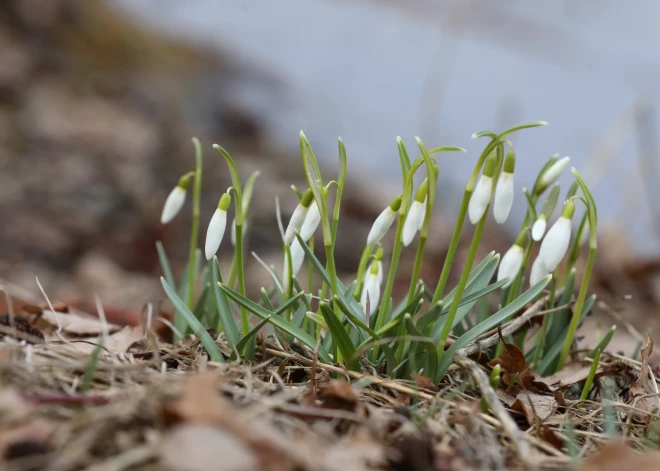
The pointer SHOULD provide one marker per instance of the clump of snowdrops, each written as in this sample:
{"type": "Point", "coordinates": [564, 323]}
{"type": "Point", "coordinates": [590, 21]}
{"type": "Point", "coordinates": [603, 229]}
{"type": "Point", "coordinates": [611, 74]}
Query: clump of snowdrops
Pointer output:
{"type": "Point", "coordinates": [421, 332]}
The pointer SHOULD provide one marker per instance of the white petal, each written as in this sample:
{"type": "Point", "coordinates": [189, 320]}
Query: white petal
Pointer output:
{"type": "Point", "coordinates": [380, 272]}
{"type": "Point", "coordinates": [538, 272]}
{"type": "Point", "coordinates": [422, 216]}
{"type": "Point", "coordinates": [538, 229]}
{"type": "Point", "coordinates": [312, 221]}
{"type": "Point", "coordinates": [215, 232]}
{"type": "Point", "coordinates": [550, 175]}
{"type": "Point", "coordinates": [410, 227]}
{"type": "Point", "coordinates": [295, 223]}
{"type": "Point", "coordinates": [173, 204]}
{"type": "Point", "coordinates": [503, 197]}
{"type": "Point", "coordinates": [370, 290]}
{"type": "Point", "coordinates": [510, 264]}
{"type": "Point", "coordinates": [297, 256]}
{"type": "Point", "coordinates": [480, 199]}
{"type": "Point", "coordinates": [381, 225]}
{"type": "Point", "coordinates": [555, 244]}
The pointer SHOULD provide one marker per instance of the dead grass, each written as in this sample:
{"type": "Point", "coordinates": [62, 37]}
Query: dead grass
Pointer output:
{"type": "Point", "coordinates": [153, 405]}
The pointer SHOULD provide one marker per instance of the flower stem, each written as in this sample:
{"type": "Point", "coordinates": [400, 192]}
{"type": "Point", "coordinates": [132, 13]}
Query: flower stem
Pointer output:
{"type": "Point", "coordinates": [577, 309]}
{"type": "Point", "coordinates": [241, 276]}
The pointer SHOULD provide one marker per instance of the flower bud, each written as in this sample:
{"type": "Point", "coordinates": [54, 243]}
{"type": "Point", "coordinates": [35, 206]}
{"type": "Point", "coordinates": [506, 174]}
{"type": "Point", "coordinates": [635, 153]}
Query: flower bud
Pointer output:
{"type": "Point", "coordinates": [555, 243]}
{"type": "Point", "coordinates": [384, 221]}
{"type": "Point", "coordinates": [538, 229]}
{"type": "Point", "coordinates": [503, 200]}
{"type": "Point", "coordinates": [311, 222]}
{"type": "Point", "coordinates": [175, 200]}
{"type": "Point", "coordinates": [371, 290]}
{"type": "Point", "coordinates": [481, 196]}
{"type": "Point", "coordinates": [298, 216]}
{"type": "Point", "coordinates": [216, 229]}
{"type": "Point", "coordinates": [416, 214]}
{"type": "Point", "coordinates": [510, 265]}
{"type": "Point", "coordinates": [551, 174]}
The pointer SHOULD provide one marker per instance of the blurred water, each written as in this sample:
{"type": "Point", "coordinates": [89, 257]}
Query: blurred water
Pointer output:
{"type": "Point", "coordinates": [369, 71]}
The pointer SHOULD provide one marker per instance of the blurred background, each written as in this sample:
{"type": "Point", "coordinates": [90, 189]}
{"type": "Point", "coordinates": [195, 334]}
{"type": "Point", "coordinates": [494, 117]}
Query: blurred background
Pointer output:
{"type": "Point", "coordinates": [99, 100]}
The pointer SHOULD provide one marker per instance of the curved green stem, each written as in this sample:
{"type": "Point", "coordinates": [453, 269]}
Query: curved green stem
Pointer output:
{"type": "Point", "coordinates": [194, 235]}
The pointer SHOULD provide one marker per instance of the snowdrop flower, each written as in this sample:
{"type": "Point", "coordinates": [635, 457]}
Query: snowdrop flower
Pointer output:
{"type": "Point", "coordinates": [216, 229]}
{"type": "Point", "coordinates": [538, 272]}
{"type": "Point", "coordinates": [416, 214]}
{"type": "Point", "coordinates": [503, 199]}
{"type": "Point", "coordinates": [423, 215]}
{"type": "Point", "coordinates": [371, 290]}
{"type": "Point", "coordinates": [378, 259]}
{"type": "Point", "coordinates": [384, 221]}
{"type": "Point", "coordinates": [175, 200]}
{"type": "Point", "coordinates": [555, 244]}
{"type": "Point", "coordinates": [551, 174]}
{"type": "Point", "coordinates": [538, 229]}
{"type": "Point", "coordinates": [511, 262]}
{"type": "Point", "coordinates": [312, 220]}
{"type": "Point", "coordinates": [298, 216]}
{"type": "Point", "coordinates": [481, 196]}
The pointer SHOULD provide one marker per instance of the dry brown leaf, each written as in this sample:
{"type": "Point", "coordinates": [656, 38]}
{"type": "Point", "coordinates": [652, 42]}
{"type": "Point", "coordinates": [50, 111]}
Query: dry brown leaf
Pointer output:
{"type": "Point", "coordinates": [73, 323]}
{"type": "Point", "coordinates": [533, 405]}
{"type": "Point", "coordinates": [122, 340]}
{"type": "Point", "coordinates": [339, 394]}
{"type": "Point", "coordinates": [424, 382]}
{"type": "Point", "coordinates": [644, 386]}
{"type": "Point", "coordinates": [573, 373]}
{"type": "Point", "coordinates": [199, 401]}
{"type": "Point", "coordinates": [616, 456]}
{"type": "Point", "coordinates": [200, 447]}
{"type": "Point", "coordinates": [511, 359]}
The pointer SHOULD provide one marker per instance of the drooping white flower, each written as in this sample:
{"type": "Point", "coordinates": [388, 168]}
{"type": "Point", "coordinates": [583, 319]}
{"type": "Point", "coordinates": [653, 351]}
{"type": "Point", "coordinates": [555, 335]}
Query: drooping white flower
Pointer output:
{"type": "Point", "coordinates": [410, 227]}
{"type": "Point", "coordinates": [175, 200]}
{"type": "Point", "coordinates": [298, 217]}
{"type": "Point", "coordinates": [311, 222]}
{"type": "Point", "coordinates": [383, 222]}
{"type": "Point", "coordinates": [380, 272]}
{"type": "Point", "coordinates": [555, 243]}
{"type": "Point", "coordinates": [482, 193]}
{"type": "Point", "coordinates": [216, 229]}
{"type": "Point", "coordinates": [538, 272]}
{"type": "Point", "coordinates": [552, 173]}
{"type": "Point", "coordinates": [510, 265]}
{"type": "Point", "coordinates": [297, 256]}
{"type": "Point", "coordinates": [416, 213]}
{"type": "Point", "coordinates": [371, 290]}
{"type": "Point", "coordinates": [538, 229]}
{"type": "Point", "coordinates": [503, 200]}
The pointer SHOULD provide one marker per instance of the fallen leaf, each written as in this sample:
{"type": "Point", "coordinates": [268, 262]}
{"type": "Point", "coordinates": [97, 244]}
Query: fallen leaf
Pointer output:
{"type": "Point", "coordinates": [338, 394]}
{"type": "Point", "coordinates": [201, 447]}
{"type": "Point", "coordinates": [575, 372]}
{"type": "Point", "coordinates": [548, 435]}
{"type": "Point", "coordinates": [199, 401]}
{"type": "Point", "coordinates": [531, 404]}
{"type": "Point", "coordinates": [616, 456]}
{"type": "Point", "coordinates": [72, 323]}
{"type": "Point", "coordinates": [511, 359]}
{"type": "Point", "coordinates": [644, 385]}
{"type": "Point", "coordinates": [122, 340]}
{"type": "Point", "coordinates": [424, 382]}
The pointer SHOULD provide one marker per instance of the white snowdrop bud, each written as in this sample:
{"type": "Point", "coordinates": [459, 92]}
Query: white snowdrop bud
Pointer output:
{"type": "Point", "coordinates": [538, 229]}
{"type": "Point", "coordinates": [371, 290]}
{"type": "Point", "coordinates": [216, 229]}
{"type": "Point", "coordinates": [298, 217]}
{"type": "Point", "coordinates": [538, 272]}
{"type": "Point", "coordinates": [511, 264]}
{"type": "Point", "coordinates": [416, 213]}
{"type": "Point", "coordinates": [175, 200]}
{"type": "Point", "coordinates": [311, 222]}
{"type": "Point", "coordinates": [555, 243]}
{"type": "Point", "coordinates": [482, 193]}
{"type": "Point", "coordinates": [503, 200]}
{"type": "Point", "coordinates": [297, 256]}
{"type": "Point", "coordinates": [383, 222]}
{"type": "Point", "coordinates": [551, 174]}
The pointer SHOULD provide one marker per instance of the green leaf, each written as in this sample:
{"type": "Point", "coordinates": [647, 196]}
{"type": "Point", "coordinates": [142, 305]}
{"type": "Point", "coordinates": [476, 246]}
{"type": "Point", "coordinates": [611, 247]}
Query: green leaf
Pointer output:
{"type": "Point", "coordinates": [476, 271]}
{"type": "Point", "coordinates": [531, 208]}
{"type": "Point", "coordinates": [522, 126]}
{"type": "Point", "coordinates": [277, 321]}
{"type": "Point", "coordinates": [244, 341]}
{"type": "Point", "coordinates": [248, 190]}
{"type": "Point", "coordinates": [224, 312]}
{"type": "Point", "coordinates": [299, 315]}
{"type": "Point", "coordinates": [602, 345]}
{"type": "Point", "coordinates": [558, 322]}
{"type": "Point", "coordinates": [197, 328]}
{"type": "Point", "coordinates": [90, 370]}
{"type": "Point", "coordinates": [201, 303]}
{"type": "Point", "coordinates": [494, 320]}
{"type": "Point", "coordinates": [165, 264]}
{"type": "Point", "coordinates": [339, 335]}
{"type": "Point", "coordinates": [317, 319]}
{"type": "Point", "coordinates": [428, 345]}
{"type": "Point", "coordinates": [404, 159]}
{"type": "Point", "coordinates": [236, 184]}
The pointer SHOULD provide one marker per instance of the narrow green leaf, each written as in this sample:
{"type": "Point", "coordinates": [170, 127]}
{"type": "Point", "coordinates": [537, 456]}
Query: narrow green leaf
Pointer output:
{"type": "Point", "coordinates": [90, 370]}
{"type": "Point", "coordinates": [494, 320]}
{"type": "Point", "coordinates": [602, 345]}
{"type": "Point", "coordinates": [197, 328]}
{"type": "Point", "coordinates": [277, 321]}
{"type": "Point", "coordinates": [244, 341]}
{"type": "Point", "coordinates": [165, 264]}
{"type": "Point", "coordinates": [339, 335]}
{"type": "Point", "coordinates": [224, 312]}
